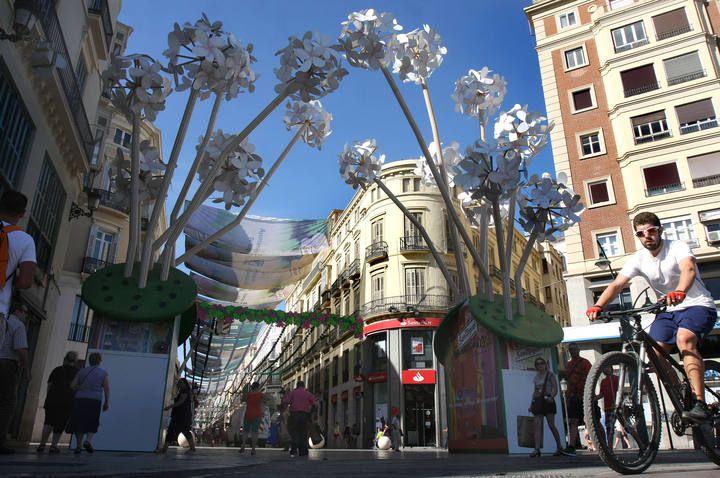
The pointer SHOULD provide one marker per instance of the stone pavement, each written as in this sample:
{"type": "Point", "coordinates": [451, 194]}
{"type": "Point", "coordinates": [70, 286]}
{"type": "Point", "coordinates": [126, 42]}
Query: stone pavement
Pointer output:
{"type": "Point", "coordinates": [226, 462]}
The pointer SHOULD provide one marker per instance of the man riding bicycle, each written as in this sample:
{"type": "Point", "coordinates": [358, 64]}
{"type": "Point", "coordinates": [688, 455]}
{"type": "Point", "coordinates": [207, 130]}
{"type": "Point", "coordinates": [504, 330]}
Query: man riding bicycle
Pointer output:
{"type": "Point", "coordinates": [670, 269]}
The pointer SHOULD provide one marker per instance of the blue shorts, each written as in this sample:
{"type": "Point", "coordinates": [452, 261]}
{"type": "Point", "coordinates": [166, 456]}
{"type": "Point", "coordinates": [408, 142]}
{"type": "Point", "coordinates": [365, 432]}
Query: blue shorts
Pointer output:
{"type": "Point", "coordinates": [698, 320]}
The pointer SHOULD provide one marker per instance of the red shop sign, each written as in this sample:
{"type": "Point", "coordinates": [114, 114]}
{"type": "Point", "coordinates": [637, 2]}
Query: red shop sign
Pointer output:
{"type": "Point", "coordinates": [344, 395]}
{"type": "Point", "coordinates": [376, 377]}
{"type": "Point", "coordinates": [333, 398]}
{"type": "Point", "coordinates": [418, 377]}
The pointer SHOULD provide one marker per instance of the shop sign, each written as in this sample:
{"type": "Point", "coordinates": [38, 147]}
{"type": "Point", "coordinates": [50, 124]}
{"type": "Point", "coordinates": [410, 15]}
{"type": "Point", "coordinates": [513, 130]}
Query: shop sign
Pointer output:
{"type": "Point", "coordinates": [401, 324]}
{"type": "Point", "coordinates": [377, 377]}
{"type": "Point", "coordinates": [344, 395]}
{"type": "Point", "coordinates": [417, 346]}
{"type": "Point", "coordinates": [418, 377]}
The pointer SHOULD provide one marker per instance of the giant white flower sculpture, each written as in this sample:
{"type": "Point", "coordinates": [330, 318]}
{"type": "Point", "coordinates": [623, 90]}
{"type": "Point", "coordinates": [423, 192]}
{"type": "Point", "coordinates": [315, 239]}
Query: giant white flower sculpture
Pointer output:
{"type": "Point", "coordinates": [522, 130]}
{"type": "Point", "coordinates": [237, 178]}
{"type": "Point", "coordinates": [309, 68]}
{"type": "Point", "coordinates": [135, 85]}
{"type": "Point", "coordinates": [359, 166]}
{"type": "Point", "coordinates": [547, 206]}
{"type": "Point", "coordinates": [208, 59]}
{"type": "Point", "coordinates": [479, 94]}
{"type": "Point", "coordinates": [417, 54]}
{"type": "Point", "coordinates": [451, 160]}
{"type": "Point", "coordinates": [310, 116]}
{"type": "Point", "coordinates": [364, 37]}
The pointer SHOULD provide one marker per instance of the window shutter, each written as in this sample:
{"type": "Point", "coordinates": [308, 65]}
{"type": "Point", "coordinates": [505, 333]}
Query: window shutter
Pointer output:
{"type": "Point", "coordinates": [695, 111]}
{"type": "Point", "coordinates": [682, 65]}
{"type": "Point", "coordinates": [638, 77]}
{"type": "Point", "coordinates": [661, 176]}
{"type": "Point", "coordinates": [704, 165]}
{"type": "Point", "coordinates": [648, 118]}
{"type": "Point", "coordinates": [582, 99]}
{"type": "Point", "coordinates": [666, 24]}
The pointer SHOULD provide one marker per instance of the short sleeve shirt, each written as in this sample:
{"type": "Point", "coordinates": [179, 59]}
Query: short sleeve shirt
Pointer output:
{"type": "Point", "coordinates": [662, 272]}
{"type": "Point", "coordinates": [254, 405]}
{"type": "Point", "coordinates": [577, 372]}
{"type": "Point", "coordinates": [21, 249]}
{"type": "Point", "coordinates": [15, 338]}
{"type": "Point", "coordinates": [90, 383]}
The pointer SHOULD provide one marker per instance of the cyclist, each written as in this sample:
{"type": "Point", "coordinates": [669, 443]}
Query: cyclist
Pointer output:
{"type": "Point", "coordinates": [670, 269]}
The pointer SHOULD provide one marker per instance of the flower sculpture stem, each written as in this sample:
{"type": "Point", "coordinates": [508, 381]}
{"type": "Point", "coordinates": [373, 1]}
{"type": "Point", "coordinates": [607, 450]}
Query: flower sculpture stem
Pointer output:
{"type": "Point", "coordinates": [134, 239]}
{"type": "Point", "coordinates": [251, 200]}
{"type": "Point", "coordinates": [518, 273]}
{"type": "Point", "coordinates": [459, 259]}
{"type": "Point", "coordinates": [431, 164]}
{"type": "Point", "coordinates": [441, 264]}
{"type": "Point", "coordinates": [160, 200]}
{"type": "Point", "coordinates": [504, 265]}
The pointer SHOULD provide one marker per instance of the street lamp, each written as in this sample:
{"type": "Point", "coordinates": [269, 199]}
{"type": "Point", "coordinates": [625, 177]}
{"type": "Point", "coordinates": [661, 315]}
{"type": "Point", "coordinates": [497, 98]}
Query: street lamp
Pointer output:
{"type": "Point", "coordinates": [23, 21]}
{"type": "Point", "coordinates": [563, 390]}
{"type": "Point", "coordinates": [604, 263]}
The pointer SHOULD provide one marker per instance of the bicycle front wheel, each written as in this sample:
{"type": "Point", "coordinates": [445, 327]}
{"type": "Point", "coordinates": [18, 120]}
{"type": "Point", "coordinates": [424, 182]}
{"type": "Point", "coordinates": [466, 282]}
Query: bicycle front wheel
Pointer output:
{"type": "Point", "coordinates": [635, 408]}
{"type": "Point", "coordinates": [707, 434]}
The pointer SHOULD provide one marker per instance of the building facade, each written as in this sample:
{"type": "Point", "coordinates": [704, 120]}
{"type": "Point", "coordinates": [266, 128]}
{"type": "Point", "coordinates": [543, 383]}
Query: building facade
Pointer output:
{"type": "Point", "coordinates": [632, 87]}
{"type": "Point", "coordinates": [378, 268]}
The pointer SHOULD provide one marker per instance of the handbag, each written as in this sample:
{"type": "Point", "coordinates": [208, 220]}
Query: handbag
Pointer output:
{"type": "Point", "coordinates": [526, 432]}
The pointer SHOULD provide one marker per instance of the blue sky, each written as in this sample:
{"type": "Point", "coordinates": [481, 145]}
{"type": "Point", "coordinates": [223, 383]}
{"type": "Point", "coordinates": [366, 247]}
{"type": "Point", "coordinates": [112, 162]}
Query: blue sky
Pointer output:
{"type": "Point", "coordinates": [476, 33]}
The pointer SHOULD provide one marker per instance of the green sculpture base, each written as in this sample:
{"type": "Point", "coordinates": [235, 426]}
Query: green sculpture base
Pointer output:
{"type": "Point", "coordinates": [109, 293]}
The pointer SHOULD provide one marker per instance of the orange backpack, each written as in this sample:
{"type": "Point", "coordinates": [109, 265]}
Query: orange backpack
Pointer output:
{"type": "Point", "coordinates": [5, 252]}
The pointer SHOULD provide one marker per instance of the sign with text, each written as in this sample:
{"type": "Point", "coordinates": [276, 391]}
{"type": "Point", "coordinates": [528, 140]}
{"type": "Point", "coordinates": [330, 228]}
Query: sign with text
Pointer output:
{"type": "Point", "coordinates": [418, 377]}
{"type": "Point", "coordinates": [417, 346]}
{"type": "Point", "coordinates": [377, 377]}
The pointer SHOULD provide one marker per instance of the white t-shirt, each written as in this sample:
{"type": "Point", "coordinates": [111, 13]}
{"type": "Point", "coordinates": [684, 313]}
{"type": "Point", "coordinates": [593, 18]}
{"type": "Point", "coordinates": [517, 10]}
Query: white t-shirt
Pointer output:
{"type": "Point", "coordinates": [22, 249]}
{"type": "Point", "coordinates": [14, 339]}
{"type": "Point", "coordinates": [663, 273]}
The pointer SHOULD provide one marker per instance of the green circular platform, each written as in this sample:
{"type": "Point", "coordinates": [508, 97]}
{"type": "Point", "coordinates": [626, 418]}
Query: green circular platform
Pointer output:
{"type": "Point", "coordinates": [112, 295]}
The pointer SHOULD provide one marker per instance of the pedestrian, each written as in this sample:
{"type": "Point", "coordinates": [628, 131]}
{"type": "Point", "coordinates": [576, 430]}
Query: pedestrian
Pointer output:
{"type": "Point", "coordinates": [620, 436]}
{"type": "Point", "coordinates": [253, 416]}
{"type": "Point", "coordinates": [300, 402]}
{"type": "Point", "coordinates": [608, 392]}
{"type": "Point", "coordinates": [336, 434]}
{"type": "Point", "coordinates": [284, 432]}
{"type": "Point", "coordinates": [575, 373]}
{"type": "Point", "coordinates": [181, 416]}
{"type": "Point", "coordinates": [90, 384]}
{"type": "Point", "coordinates": [396, 430]}
{"type": "Point", "coordinates": [347, 436]}
{"type": "Point", "coordinates": [543, 404]}
{"type": "Point", "coordinates": [14, 365]}
{"type": "Point", "coordinates": [356, 433]}
{"type": "Point", "coordinates": [58, 402]}
{"type": "Point", "coordinates": [17, 254]}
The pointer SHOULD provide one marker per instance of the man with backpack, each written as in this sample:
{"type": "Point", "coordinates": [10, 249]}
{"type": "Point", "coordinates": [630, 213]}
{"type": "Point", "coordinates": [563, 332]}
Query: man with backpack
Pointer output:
{"type": "Point", "coordinates": [17, 266]}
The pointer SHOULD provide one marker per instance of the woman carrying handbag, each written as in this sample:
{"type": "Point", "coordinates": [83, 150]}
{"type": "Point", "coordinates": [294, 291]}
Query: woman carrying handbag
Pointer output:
{"type": "Point", "coordinates": [543, 405]}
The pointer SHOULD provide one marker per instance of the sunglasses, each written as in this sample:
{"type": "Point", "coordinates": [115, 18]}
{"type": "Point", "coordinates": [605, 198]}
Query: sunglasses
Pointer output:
{"type": "Point", "coordinates": [539, 363]}
{"type": "Point", "coordinates": [650, 231]}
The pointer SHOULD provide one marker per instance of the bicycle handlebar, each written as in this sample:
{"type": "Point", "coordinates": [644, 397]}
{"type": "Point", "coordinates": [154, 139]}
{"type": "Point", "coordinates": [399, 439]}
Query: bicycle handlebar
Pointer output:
{"type": "Point", "coordinates": [655, 308]}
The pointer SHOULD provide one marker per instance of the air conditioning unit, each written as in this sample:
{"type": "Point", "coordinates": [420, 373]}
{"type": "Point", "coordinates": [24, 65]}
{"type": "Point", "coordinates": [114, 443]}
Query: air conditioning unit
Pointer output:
{"type": "Point", "coordinates": [713, 236]}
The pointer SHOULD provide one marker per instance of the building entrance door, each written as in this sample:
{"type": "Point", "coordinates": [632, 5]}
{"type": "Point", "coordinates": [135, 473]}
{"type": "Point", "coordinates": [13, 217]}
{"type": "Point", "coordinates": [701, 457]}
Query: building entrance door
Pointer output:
{"type": "Point", "coordinates": [419, 419]}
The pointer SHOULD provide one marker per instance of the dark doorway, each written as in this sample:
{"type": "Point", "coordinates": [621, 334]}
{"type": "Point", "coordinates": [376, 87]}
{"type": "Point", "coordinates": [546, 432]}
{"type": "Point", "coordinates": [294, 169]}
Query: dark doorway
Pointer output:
{"type": "Point", "coordinates": [419, 426]}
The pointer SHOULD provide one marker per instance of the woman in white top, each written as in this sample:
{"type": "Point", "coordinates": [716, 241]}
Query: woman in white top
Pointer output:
{"type": "Point", "coordinates": [545, 388]}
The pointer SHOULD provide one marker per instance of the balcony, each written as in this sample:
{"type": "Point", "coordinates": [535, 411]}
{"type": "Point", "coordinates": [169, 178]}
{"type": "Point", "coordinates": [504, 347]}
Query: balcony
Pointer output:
{"type": "Point", "coordinates": [713, 180]}
{"type": "Point", "coordinates": [413, 244]}
{"type": "Point", "coordinates": [377, 251]}
{"type": "Point", "coordinates": [79, 333]}
{"type": "Point", "coordinates": [699, 125]}
{"type": "Point", "coordinates": [91, 265]}
{"type": "Point", "coordinates": [406, 303]}
{"type": "Point", "coordinates": [642, 89]}
{"type": "Point", "coordinates": [108, 199]}
{"type": "Point", "coordinates": [665, 189]}
{"type": "Point", "coordinates": [336, 286]}
{"type": "Point", "coordinates": [325, 298]}
{"type": "Point", "coordinates": [353, 270]}
{"type": "Point", "coordinates": [674, 33]}
{"type": "Point", "coordinates": [101, 23]}
{"type": "Point", "coordinates": [53, 33]}
{"type": "Point", "coordinates": [631, 45]}
{"type": "Point", "coordinates": [694, 75]}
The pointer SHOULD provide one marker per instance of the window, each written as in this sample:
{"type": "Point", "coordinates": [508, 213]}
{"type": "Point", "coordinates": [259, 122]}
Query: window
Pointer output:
{"type": "Point", "coordinates": [575, 58]}
{"type": "Point", "coordinates": [414, 285]}
{"type": "Point", "coordinates": [377, 284]}
{"type": "Point", "coordinates": [345, 366]}
{"type": "Point", "coordinates": [417, 349]}
{"type": "Point", "coordinates": [610, 243]}
{"type": "Point", "coordinates": [122, 138]}
{"type": "Point", "coordinates": [683, 68]}
{"type": "Point", "coordinates": [449, 245]}
{"type": "Point", "coordinates": [81, 73]}
{"type": "Point", "coordinates": [117, 49]}
{"type": "Point", "coordinates": [567, 19]}
{"type": "Point", "coordinates": [679, 229]}
{"type": "Point", "coordinates": [639, 80]}
{"type": "Point", "coordinates": [705, 169]}
{"type": "Point", "coordinates": [378, 351]}
{"type": "Point", "coordinates": [582, 100]}
{"type": "Point", "coordinates": [599, 192]}
{"type": "Point", "coordinates": [662, 179]}
{"type": "Point", "coordinates": [590, 144]}
{"type": "Point", "coordinates": [377, 231]}
{"type": "Point", "coordinates": [81, 321]}
{"type": "Point", "coordinates": [650, 127]}
{"type": "Point", "coordinates": [16, 131]}
{"type": "Point", "coordinates": [97, 146]}
{"type": "Point", "coordinates": [101, 247]}
{"type": "Point", "coordinates": [335, 371]}
{"type": "Point", "coordinates": [46, 214]}
{"type": "Point", "coordinates": [410, 184]}
{"type": "Point", "coordinates": [617, 4]}
{"type": "Point", "coordinates": [629, 37]}
{"type": "Point", "coordinates": [411, 232]}
{"type": "Point", "coordinates": [713, 232]}
{"type": "Point", "coordinates": [670, 24]}
{"type": "Point", "coordinates": [696, 116]}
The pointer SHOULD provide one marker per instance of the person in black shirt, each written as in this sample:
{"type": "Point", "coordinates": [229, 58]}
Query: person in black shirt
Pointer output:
{"type": "Point", "coordinates": [59, 401]}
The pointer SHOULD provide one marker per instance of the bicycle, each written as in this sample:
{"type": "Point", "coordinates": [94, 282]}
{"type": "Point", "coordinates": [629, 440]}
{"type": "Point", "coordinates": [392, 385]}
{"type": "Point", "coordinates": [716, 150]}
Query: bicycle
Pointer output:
{"type": "Point", "coordinates": [636, 404]}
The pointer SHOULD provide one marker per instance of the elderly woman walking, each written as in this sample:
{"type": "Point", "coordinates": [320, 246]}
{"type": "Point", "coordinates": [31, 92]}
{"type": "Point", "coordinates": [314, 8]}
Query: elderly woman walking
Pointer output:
{"type": "Point", "coordinates": [58, 402]}
{"type": "Point", "coordinates": [89, 384]}
{"type": "Point", "coordinates": [181, 416]}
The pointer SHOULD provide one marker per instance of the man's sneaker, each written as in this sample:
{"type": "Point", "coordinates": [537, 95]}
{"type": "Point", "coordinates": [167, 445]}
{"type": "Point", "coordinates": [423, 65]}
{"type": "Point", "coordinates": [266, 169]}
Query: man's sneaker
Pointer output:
{"type": "Point", "coordinates": [698, 412]}
{"type": "Point", "coordinates": [568, 451]}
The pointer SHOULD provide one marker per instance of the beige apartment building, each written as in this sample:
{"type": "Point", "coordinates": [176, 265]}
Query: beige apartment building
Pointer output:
{"type": "Point", "coordinates": [632, 87]}
{"type": "Point", "coordinates": [378, 268]}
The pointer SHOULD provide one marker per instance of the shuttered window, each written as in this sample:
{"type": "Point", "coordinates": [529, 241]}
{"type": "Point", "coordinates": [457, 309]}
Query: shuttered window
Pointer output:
{"type": "Point", "coordinates": [582, 99]}
{"type": "Point", "coordinates": [662, 179]}
{"type": "Point", "coordinates": [650, 127]}
{"type": "Point", "coordinates": [639, 80]}
{"type": "Point", "coordinates": [696, 116]}
{"type": "Point", "coordinates": [46, 214]}
{"type": "Point", "coordinates": [705, 169]}
{"type": "Point", "coordinates": [414, 284]}
{"type": "Point", "coordinates": [670, 24]}
{"type": "Point", "coordinates": [599, 192]}
{"type": "Point", "coordinates": [16, 131]}
{"type": "Point", "coordinates": [683, 68]}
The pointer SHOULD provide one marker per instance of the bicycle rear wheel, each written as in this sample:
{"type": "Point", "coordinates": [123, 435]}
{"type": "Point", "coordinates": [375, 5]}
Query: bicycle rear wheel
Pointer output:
{"type": "Point", "coordinates": [640, 418]}
{"type": "Point", "coordinates": [707, 435]}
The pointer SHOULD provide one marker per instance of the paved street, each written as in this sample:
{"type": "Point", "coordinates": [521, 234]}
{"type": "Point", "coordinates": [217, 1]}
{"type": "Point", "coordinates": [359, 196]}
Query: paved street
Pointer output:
{"type": "Point", "coordinates": [227, 462]}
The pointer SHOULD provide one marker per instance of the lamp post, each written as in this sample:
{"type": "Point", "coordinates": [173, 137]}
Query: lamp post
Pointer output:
{"type": "Point", "coordinates": [563, 390]}
{"type": "Point", "coordinates": [604, 263]}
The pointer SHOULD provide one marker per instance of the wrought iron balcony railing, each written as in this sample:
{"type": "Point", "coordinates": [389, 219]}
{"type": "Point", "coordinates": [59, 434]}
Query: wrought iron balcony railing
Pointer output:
{"type": "Point", "coordinates": [693, 75]}
{"type": "Point", "coordinates": [413, 243]}
{"type": "Point", "coordinates": [407, 303]}
{"type": "Point", "coordinates": [91, 265]}
{"type": "Point", "coordinates": [699, 125]}
{"type": "Point", "coordinates": [642, 89]}
{"type": "Point", "coordinates": [673, 33]}
{"type": "Point", "coordinates": [79, 333]}
{"type": "Point", "coordinates": [108, 199]}
{"type": "Point", "coordinates": [706, 181]}
{"type": "Point", "coordinates": [376, 250]}
{"type": "Point", "coordinates": [665, 189]}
